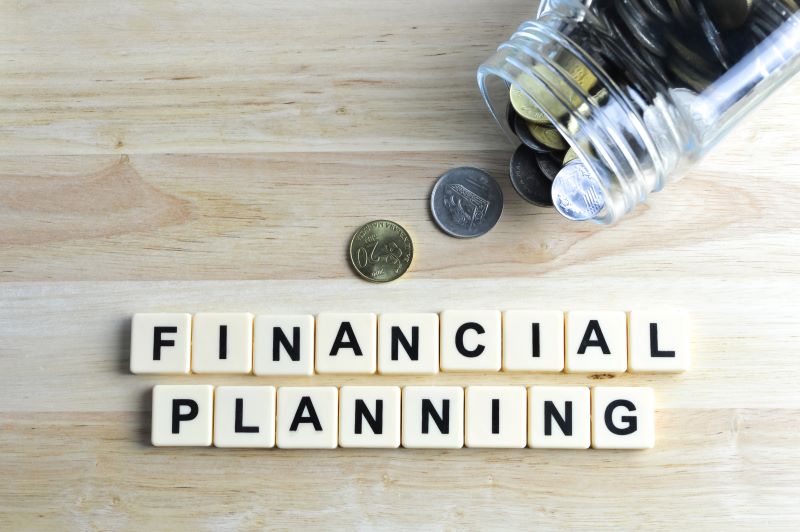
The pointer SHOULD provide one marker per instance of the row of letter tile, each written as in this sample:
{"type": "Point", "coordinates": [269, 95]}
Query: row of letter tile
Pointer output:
{"type": "Point", "coordinates": [411, 344]}
{"type": "Point", "coordinates": [324, 417]}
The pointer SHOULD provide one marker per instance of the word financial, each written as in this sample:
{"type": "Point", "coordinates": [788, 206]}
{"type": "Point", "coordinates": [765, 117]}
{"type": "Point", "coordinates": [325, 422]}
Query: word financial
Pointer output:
{"type": "Point", "coordinates": [411, 344]}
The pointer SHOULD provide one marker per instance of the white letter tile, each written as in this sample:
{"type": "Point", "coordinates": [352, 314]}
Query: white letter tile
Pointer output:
{"type": "Point", "coordinates": [433, 417]}
{"type": "Point", "coordinates": [471, 340]}
{"type": "Point", "coordinates": [496, 416]}
{"type": "Point", "coordinates": [160, 343]}
{"type": "Point", "coordinates": [623, 418]}
{"type": "Point", "coordinates": [244, 416]}
{"type": "Point", "coordinates": [346, 343]}
{"type": "Point", "coordinates": [222, 342]}
{"type": "Point", "coordinates": [658, 341]}
{"type": "Point", "coordinates": [533, 340]}
{"type": "Point", "coordinates": [597, 342]}
{"type": "Point", "coordinates": [308, 417]}
{"type": "Point", "coordinates": [559, 417]}
{"type": "Point", "coordinates": [369, 416]}
{"type": "Point", "coordinates": [289, 338]}
{"type": "Point", "coordinates": [182, 415]}
{"type": "Point", "coordinates": [408, 344]}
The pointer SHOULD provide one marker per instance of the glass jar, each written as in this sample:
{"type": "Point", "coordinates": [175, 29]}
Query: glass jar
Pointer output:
{"type": "Point", "coordinates": [640, 89]}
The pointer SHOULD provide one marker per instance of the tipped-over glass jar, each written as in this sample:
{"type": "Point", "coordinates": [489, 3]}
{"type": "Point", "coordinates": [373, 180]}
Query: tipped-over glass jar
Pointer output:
{"type": "Point", "coordinates": [640, 89]}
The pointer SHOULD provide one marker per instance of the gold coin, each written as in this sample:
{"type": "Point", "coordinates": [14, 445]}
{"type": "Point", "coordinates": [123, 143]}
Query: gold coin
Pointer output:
{"type": "Point", "coordinates": [579, 72]}
{"type": "Point", "coordinates": [525, 107]}
{"type": "Point", "coordinates": [548, 89]}
{"type": "Point", "coordinates": [548, 136]}
{"type": "Point", "coordinates": [571, 155]}
{"type": "Point", "coordinates": [381, 251]}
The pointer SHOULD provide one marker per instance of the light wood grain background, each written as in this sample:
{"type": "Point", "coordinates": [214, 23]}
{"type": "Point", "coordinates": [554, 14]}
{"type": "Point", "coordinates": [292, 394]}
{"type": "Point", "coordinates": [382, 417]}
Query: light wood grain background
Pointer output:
{"type": "Point", "coordinates": [192, 156]}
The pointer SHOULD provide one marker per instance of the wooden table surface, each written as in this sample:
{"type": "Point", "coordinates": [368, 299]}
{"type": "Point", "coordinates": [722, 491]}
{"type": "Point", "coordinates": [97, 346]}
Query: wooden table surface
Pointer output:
{"type": "Point", "coordinates": [197, 156]}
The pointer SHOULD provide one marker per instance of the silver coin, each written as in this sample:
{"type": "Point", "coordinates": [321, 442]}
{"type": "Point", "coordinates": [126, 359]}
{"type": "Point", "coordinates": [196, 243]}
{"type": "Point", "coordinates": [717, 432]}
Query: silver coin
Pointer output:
{"type": "Point", "coordinates": [576, 193]}
{"type": "Point", "coordinates": [466, 202]}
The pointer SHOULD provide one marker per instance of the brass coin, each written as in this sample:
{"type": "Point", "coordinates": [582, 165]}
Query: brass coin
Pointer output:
{"type": "Point", "coordinates": [525, 107]}
{"type": "Point", "coordinates": [381, 251]}
{"type": "Point", "coordinates": [549, 136]}
{"type": "Point", "coordinates": [571, 155]}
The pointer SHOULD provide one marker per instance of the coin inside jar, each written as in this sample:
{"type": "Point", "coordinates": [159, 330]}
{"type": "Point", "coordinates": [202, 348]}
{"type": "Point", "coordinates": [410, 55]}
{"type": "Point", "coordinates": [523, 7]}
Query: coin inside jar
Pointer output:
{"type": "Point", "coordinates": [381, 251]}
{"type": "Point", "coordinates": [528, 179]}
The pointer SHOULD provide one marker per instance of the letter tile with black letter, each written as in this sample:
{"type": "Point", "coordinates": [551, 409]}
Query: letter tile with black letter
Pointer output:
{"type": "Point", "coordinates": [308, 417]}
{"type": "Point", "coordinates": [433, 417]}
{"type": "Point", "coordinates": [369, 416]}
{"type": "Point", "coordinates": [533, 340]}
{"type": "Point", "coordinates": [471, 340]}
{"type": "Point", "coordinates": [283, 344]}
{"type": "Point", "coordinates": [658, 341]}
{"type": "Point", "coordinates": [160, 343]}
{"type": "Point", "coordinates": [623, 417]}
{"type": "Point", "coordinates": [346, 343]}
{"type": "Point", "coordinates": [244, 416]}
{"type": "Point", "coordinates": [408, 343]}
{"type": "Point", "coordinates": [222, 342]}
{"type": "Point", "coordinates": [182, 415]}
{"type": "Point", "coordinates": [496, 417]}
{"type": "Point", "coordinates": [559, 417]}
{"type": "Point", "coordinates": [596, 341]}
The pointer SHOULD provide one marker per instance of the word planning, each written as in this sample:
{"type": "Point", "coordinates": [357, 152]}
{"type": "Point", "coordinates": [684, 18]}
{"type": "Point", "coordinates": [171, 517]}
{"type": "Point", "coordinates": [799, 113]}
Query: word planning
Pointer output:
{"type": "Point", "coordinates": [411, 343]}
{"type": "Point", "coordinates": [324, 417]}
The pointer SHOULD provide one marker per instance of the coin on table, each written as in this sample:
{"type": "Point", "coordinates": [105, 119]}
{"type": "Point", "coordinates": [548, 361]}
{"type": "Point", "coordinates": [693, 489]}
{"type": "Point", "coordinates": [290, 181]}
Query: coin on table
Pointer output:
{"type": "Point", "coordinates": [381, 251]}
{"type": "Point", "coordinates": [466, 202]}
{"type": "Point", "coordinates": [527, 178]}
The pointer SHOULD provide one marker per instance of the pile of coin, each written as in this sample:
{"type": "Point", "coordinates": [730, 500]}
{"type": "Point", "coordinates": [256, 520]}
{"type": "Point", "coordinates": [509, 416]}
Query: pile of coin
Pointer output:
{"type": "Point", "coordinates": [647, 47]}
{"type": "Point", "coordinates": [543, 152]}
{"type": "Point", "coordinates": [682, 43]}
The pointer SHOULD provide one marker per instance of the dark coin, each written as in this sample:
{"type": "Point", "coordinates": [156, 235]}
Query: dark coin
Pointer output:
{"type": "Point", "coordinates": [549, 164]}
{"type": "Point", "coordinates": [687, 74]}
{"type": "Point", "coordinates": [661, 11]}
{"type": "Point", "coordinates": [638, 67]}
{"type": "Point", "coordinates": [523, 131]}
{"type": "Point", "coordinates": [712, 36]}
{"type": "Point", "coordinates": [466, 202]}
{"type": "Point", "coordinates": [728, 14]}
{"type": "Point", "coordinates": [511, 116]}
{"type": "Point", "coordinates": [692, 50]}
{"type": "Point", "coordinates": [527, 179]}
{"type": "Point", "coordinates": [675, 10]}
{"type": "Point", "coordinates": [683, 11]}
{"type": "Point", "coordinates": [642, 26]}
{"type": "Point", "coordinates": [688, 10]}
